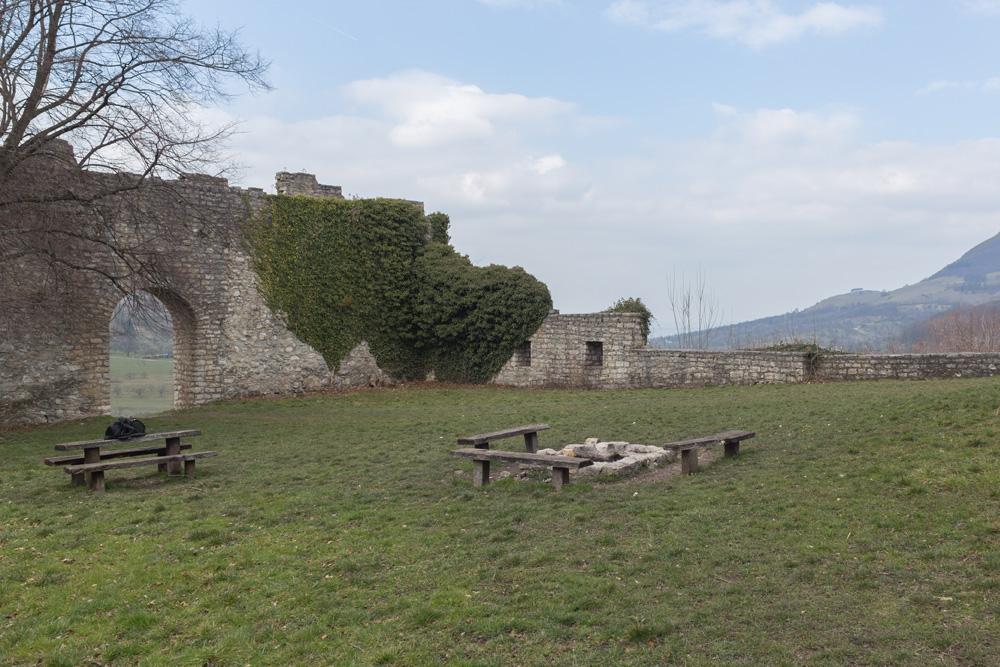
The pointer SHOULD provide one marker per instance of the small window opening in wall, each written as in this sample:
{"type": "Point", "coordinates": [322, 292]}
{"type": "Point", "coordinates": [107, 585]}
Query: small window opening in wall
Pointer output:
{"type": "Point", "coordinates": [595, 353]}
{"type": "Point", "coordinates": [522, 355]}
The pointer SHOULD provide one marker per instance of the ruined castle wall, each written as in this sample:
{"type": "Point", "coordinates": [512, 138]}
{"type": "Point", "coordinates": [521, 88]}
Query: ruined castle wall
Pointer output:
{"type": "Point", "coordinates": [54, 360]}
{"type": "Point", "coordinates": [559, 358]}
{"type": "Point", "coordinates": [578, 351]}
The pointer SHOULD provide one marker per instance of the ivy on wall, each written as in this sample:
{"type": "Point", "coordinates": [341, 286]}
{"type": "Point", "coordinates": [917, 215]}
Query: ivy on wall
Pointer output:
{"type": "Point", "coordinates": [342, 271]}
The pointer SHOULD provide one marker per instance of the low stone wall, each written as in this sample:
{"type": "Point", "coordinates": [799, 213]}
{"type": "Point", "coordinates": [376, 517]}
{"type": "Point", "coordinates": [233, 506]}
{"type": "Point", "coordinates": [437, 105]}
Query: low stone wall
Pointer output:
{"type": "Point", "coordinates": [906, 366]}
{"type": "Point", "coordinates": [560, 355]}
{"type": "Point", "coordinates": [699, 368]}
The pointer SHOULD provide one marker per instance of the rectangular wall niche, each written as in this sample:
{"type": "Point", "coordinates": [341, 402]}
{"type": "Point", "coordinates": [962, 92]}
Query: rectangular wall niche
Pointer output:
{"type": "Point", "coordinates": [522, 355]}
{"type": "Point", "coordinates": [595, 353]}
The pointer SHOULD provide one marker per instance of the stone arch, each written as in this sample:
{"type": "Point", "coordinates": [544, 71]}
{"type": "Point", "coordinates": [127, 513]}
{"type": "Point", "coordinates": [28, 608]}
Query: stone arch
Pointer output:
{"type": "Point", "coordinates": [185, 343]}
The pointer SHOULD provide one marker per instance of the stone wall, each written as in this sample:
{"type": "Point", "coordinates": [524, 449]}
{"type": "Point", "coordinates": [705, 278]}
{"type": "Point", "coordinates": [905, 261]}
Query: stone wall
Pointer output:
{"type": "Point", "coordinates": [557, 356]}
{"type": "Point", "coordinates": [54, 360]}
{"type": "Point", "coordinates": [578, 351]}
{"type": "Point", "coordinates": [287, 183]}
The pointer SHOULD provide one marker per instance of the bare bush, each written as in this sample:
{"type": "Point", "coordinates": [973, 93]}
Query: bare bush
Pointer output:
{"type": "Point", "coordinates": [695, 310]}
{"type": "Point", "coordinates": [973, 329]}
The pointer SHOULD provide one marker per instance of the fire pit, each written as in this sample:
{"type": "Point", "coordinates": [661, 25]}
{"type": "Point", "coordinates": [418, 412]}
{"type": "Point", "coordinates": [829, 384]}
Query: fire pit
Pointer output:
{"type": "Point", "coordinates": [615, 458]}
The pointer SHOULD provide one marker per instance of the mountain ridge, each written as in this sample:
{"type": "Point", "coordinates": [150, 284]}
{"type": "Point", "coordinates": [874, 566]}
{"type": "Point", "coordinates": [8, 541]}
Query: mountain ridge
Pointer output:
{"type": "Point", "coordinates": [860, 320]}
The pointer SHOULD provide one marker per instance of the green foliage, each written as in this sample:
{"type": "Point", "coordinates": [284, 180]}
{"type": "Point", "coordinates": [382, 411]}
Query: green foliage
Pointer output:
{"type": "Point", "coordinates": [440, 223]}
{"type": "Point", "coordinates": [470, 319]}
{"type": "Point", "coordinates": [634, 306]}
{"type": "Point", "coordinates": [339, 270]}
{"type": "Point", "coordinates": [343, 271]}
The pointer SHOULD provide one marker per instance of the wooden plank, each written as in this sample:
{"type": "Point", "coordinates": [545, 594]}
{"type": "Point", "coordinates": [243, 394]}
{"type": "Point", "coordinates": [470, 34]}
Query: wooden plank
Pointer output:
{"type": "Point", "coordinates": [518, 457]}
{"type": "Point", "coordinates": [710, 440]}
{"type": "Point", "coordinates": [173, 449]}
{"type": "Point", "coordinates": [71, 459]}
{"type": "Point", "coordinates": [560, 477]}
{"type": "Point", "coordinates": [85, 444]}
{"type": "Point", "coordinates": [486, 438]}
{"type": "Point", "coordinates": [480, 472]}
{"type": "Point", "coordinates": [136, 463]}
{"type": "Point", "coordinates": [689, 461]}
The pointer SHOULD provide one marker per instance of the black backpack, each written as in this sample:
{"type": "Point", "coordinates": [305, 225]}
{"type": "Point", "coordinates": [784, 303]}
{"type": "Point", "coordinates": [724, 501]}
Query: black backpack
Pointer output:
{"type": "Point", "coordinates": [125, 427]}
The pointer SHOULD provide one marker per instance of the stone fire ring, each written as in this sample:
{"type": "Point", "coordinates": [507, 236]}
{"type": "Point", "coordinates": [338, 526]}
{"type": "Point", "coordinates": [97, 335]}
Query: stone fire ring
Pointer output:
{"type": "Point", "coordinates": [615, 458]}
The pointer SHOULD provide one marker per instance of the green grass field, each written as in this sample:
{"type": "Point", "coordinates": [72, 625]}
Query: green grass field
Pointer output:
{"type": "Point", "coordinates": [141, 386]}
{"type": "Point", "coordinates": [860, 527]}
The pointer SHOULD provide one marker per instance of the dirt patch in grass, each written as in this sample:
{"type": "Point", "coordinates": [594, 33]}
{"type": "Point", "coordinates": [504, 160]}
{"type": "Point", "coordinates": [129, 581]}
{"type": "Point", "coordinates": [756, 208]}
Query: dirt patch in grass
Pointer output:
{"type": "Point", "coordinates": [660, 473]}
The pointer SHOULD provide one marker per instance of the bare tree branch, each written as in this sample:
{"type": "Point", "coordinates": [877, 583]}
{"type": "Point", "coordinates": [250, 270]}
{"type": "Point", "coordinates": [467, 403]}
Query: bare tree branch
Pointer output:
{"type": "Point", "coordinates": [123, 81]}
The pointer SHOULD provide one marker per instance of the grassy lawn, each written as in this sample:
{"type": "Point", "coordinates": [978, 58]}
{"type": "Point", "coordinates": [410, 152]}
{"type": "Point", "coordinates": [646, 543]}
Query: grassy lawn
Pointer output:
{"type": "Point", "coordinates": [859, 527]}
{"type": "Point", "coordinates": [141, 386]}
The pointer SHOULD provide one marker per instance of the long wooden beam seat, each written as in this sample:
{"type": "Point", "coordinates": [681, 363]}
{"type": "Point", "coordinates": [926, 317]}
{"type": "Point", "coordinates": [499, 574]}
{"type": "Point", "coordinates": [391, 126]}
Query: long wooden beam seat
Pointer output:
{"type": "Point", "coordinates": [529, 431]}
{"type": "Point", "coordinates": [72, 459]}
{"type": "Point", "coordinates": [689, 448]}
{"type": "Point", "coordinates": [87, 444]}
{"type": "Point", "coordinates": [96, 470]}
{"type": "Point", "coordinates": [481, 458]}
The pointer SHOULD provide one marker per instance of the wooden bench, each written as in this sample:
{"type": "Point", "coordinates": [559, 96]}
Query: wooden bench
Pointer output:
{"type": "Point", "coordinates": [481, 459]}
{"type": "Point", "coordinates": [96, 457]}
{"type": "Point", "coordinates": [530, 433]}
{"type": "Point", "coordinates": [96, 470]}
{"type": "Point", "coordinates": [689, 448]}
{"type": "Point", "coordinates": [73, 459]}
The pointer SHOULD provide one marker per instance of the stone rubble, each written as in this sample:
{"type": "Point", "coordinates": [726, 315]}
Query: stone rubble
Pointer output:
{"type": "Point", "coordinates": [615, 458]}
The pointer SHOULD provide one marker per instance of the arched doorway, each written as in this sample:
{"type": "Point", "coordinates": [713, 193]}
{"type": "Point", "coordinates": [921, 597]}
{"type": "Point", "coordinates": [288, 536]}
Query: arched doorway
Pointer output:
{"type": "Point", "coordinates": [142, 356]}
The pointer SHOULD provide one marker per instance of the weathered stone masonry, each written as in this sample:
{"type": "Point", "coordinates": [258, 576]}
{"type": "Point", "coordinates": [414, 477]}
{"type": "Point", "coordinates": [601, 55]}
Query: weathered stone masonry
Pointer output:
{"type": "Point", "coordinates": [561, 354]}
{"type": "Point", "coordinates": [227, 342]}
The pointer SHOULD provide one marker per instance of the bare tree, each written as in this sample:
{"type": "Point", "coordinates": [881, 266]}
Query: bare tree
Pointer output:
{"type": "Point", "coordinates": [123, 82]}
{"type": "Point", "coordinates": [971, 329]}
{"type": "Point", "coordinates": [695, 310]}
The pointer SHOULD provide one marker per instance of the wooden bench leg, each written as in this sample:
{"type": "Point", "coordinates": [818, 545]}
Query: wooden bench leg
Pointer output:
{"type": "Point", "coordinates": [189, 468]}
{"type": "Point", "coordinates": [689, 461]}
{"type": "Point", "coordinates": [480, 473]}
{"type": "Point", "coordinates": [97, 481]}
{"type": "Point", "coordinates": [173, 449]}
{"type": "Point", "coordinates": [531, 443]}
{"type": "Point", "coordinates": [79, 479]}
{"type": "Point", "coordinates": [560, 477]}
{"type": "Point", "coordinates": [732, 448]}
{"type": "Point", "coordinates": [92, 455]}
{"type": "Point", "coordinates": [163, 466]}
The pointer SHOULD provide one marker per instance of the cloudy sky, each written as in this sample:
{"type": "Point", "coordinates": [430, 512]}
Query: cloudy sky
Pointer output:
{"type": "Point", "coordinates": [786, 150]}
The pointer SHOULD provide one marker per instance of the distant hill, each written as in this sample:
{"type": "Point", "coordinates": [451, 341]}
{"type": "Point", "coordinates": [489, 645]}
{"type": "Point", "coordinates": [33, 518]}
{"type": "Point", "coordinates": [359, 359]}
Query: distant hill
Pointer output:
{"type": "Point", "coordinates": [870, 320]}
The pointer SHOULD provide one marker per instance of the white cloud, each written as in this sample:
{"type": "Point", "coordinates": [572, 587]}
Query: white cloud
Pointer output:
{"type": "Point", "coordinates": [429, 110]}
{"type": "Point", "coordinates": [756, 23]}
{"type": "Point", "coordinates": [987, 86]}
{"type": "Point", "coordinates": [988, 7]}
{"type": "Point", "coordinates": [530, 4]}
{"type": "Point", "coordinates": [780, 207]}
